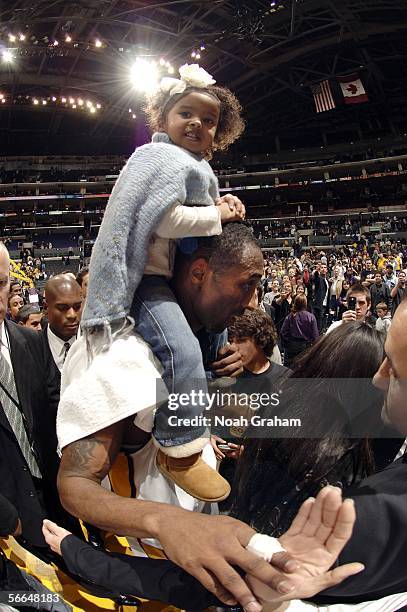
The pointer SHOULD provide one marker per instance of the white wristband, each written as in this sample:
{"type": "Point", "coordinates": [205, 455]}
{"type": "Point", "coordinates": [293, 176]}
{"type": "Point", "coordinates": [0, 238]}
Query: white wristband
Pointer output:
{"type": "Point", "coordinates": [264, 546]}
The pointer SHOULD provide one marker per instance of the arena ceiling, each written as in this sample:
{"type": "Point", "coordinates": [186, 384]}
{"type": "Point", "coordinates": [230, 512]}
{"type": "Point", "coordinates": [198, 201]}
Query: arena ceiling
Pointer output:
{"type": "Point", "coordinates": [269, 53]}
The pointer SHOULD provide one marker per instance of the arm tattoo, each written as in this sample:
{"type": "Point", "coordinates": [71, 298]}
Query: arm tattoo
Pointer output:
{"type": "Point", "coordinates": [89, 457]}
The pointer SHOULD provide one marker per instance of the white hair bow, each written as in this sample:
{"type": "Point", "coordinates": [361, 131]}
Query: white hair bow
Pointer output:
{"type": "Point", "coordinates": [192, 75]}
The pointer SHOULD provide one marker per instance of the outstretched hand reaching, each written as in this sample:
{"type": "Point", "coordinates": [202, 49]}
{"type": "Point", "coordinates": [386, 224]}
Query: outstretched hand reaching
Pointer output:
{"type": "Point", "coordinates": [316, 537]}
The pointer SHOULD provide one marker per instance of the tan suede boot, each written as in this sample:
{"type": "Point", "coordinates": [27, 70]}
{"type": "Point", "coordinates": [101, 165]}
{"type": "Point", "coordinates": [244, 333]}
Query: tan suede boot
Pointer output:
{"type": "Point", "coordinates": [194, 476]}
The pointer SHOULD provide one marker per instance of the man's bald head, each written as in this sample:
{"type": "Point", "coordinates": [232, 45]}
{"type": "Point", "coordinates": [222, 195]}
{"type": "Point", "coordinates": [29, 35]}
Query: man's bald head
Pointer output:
{"type": "Point", "coordinates": [64, 305]}
{"type": "Point", "coordinates": [58, 285]}
{"type": "Point", "coordinates": [392, 375]}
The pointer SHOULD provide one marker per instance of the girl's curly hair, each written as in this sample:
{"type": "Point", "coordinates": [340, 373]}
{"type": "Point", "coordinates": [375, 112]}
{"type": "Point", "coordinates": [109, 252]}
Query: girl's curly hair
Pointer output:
{"type": "Point", "coordinates": [230, 126]}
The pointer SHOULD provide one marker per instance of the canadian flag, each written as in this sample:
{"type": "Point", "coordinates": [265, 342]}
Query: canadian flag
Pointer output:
{"type": "Point", "coordinates": [352, 89]}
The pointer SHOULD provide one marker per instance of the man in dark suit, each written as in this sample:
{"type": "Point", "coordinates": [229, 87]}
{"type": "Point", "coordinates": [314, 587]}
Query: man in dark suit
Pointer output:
{"type": "Point", "coordinates": [320, 295]}
{"type": "Point", "coordinates": [29, 394]}
{"type": "Point", "coordinates": [63, 301]}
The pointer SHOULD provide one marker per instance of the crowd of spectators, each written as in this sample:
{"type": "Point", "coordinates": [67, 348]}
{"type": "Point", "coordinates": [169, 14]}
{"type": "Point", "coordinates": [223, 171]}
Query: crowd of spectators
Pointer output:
{"type": "Point", "coordinates": [320, 284]}
{"type": "Point", "coordinates": [351, 227]}
{"type": "Point", "coordinates": [54, 174]}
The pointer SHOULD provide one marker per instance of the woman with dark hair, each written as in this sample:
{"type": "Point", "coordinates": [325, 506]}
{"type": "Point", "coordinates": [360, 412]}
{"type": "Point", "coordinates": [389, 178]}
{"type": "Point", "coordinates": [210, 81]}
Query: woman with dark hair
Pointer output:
{"type": "Point", "coordinates": [342, 306]}
{"type": "Point", "coordinates": [299, 330]}
{"type": "Point", "coordinates": [276, 474]}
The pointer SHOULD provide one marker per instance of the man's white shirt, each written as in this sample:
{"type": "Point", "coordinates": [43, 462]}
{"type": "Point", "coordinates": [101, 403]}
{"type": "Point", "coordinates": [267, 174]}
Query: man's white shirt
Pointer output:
{"type": "Point", "coordinates": [57, 346]}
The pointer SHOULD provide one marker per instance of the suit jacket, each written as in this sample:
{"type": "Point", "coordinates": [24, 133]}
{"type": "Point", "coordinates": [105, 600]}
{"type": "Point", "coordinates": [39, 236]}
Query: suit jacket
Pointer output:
{"type": "Point", "coordinates": [47, 348]}
{"type": "Point", "coordinates": [379, 538]}
{"type": "Point", "coordinates": [37, 383]}
{"type": "Point", "coordinates": [319, 290]}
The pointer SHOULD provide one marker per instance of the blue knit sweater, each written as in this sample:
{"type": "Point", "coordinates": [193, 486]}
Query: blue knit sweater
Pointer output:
{"type": "Point", "coordinates": [155, 177]}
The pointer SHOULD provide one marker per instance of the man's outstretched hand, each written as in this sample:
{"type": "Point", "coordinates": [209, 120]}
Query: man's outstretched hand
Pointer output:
{"type": "Point", "coordinates": [211, 547]}
{"type": "Point", "coordinates": [316, 537]}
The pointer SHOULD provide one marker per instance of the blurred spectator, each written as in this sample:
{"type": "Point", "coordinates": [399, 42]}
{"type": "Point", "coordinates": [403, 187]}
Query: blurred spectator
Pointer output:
{"type": "Point", "coordinates": [15, 302]}
{"type": "Point", "coordinates": [320, 295]}
{"type": "Point", "coordinates": [390, 279]}
{"type": "Point", "coordinates": [282, 304]}
{"type": "Point", "coordinates": [29, 316]}
{"type": "Point", "coordinates": [379, 292]}
{"type": "Point", "coordinates": [299, 330]}
{"type": "Point", "coordinates": [383, 318]}
{"type": "Point", "coordinates": [82, 279]}
{"type": "Point", "coordinates": [398, 292]}
{"type": "Point", "coordinates": [15, 288]}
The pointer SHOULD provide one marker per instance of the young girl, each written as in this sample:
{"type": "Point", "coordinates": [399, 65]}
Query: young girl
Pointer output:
{"type": "Point", "coordinates": [166, 192]}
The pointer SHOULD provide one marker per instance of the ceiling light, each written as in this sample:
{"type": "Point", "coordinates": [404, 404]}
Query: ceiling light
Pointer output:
{"type": "Point", "coordinates": [68, 38]}
{"type": "Point", "coordinates": [134, 116]}
{"type": "Point", "coordinates": [21, 37]}
{"type": "Point", "coordinates": [3, 101]}
{"type": "Point", "coordinates": [170, 70]}
{"type": "Point", "coordinates": [80, 101]}
{"type": "Point", "coordinates": [162, 62]}
{"type": "Point", "coordinates": [98, 43]}
{"type": "Point", "coordinates": [56, 43]}
{"type": "Point", "coordinates": [88, 103]}
{"type": "Point", "coordinates": [93, 110]}
{"type": "Point", "coordinates": [35, 101]}
{"type": "Point", "coordinates": [71, 101]}
{"type": "Point", "coordinates": [202, 47]}
{"type": "Point", "coordinates": [12, 38]}
{"type": "Point", "coordinates": [44, 102]}
{"type": "Point", "coordinates": [7, 56]}
{"type": "Point", "coordinates": [73, 105]}
{"type": "Point", "coordinates": [98, 106]}
{"type": "Point", "coordinates": [63, 100]}
{"type": "Point", "coordinates": [54, 99]}
{"type": "Point", "coordinates": [144, 75]}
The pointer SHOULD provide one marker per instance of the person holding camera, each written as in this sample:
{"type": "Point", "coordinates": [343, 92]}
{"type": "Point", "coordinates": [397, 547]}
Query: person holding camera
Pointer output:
{"type": "Point", "coordinates": [358, 302]}
{"type": "Point", "coordinates": [282, 304]}
{"type": "Point", "coordinates": [398, 292]}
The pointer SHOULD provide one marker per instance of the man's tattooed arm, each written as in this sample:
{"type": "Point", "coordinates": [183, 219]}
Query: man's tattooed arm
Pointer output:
{"type": "Point", "coordinates": [84, 464]}
{"type": "Point", "coordinates": [93, 456]}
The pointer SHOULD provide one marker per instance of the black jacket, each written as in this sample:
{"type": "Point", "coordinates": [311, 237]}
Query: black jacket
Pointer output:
{"type": "Point", "coordinates": [319, 290]}
{"type": "Point", "coordinates": [379, 294]}
{"type": "Point", "coordinates": [379, 538]}
{"type": "Point", "coordinates": [37, 383]}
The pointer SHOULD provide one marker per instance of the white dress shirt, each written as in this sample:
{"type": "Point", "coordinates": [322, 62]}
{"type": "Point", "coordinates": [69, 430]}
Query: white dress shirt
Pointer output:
{"type": "Point", "coordinates": [57, 346]}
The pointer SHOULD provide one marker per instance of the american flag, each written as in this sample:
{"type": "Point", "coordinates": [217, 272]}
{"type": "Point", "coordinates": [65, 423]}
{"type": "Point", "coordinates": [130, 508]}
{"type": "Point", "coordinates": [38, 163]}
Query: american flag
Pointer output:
{"type": "Point", "coordinates": [323, 97]}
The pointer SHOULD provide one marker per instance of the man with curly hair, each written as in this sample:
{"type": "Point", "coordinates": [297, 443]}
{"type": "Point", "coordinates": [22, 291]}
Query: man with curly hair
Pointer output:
{"type": "Point", "coordinates": [255, 335]}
